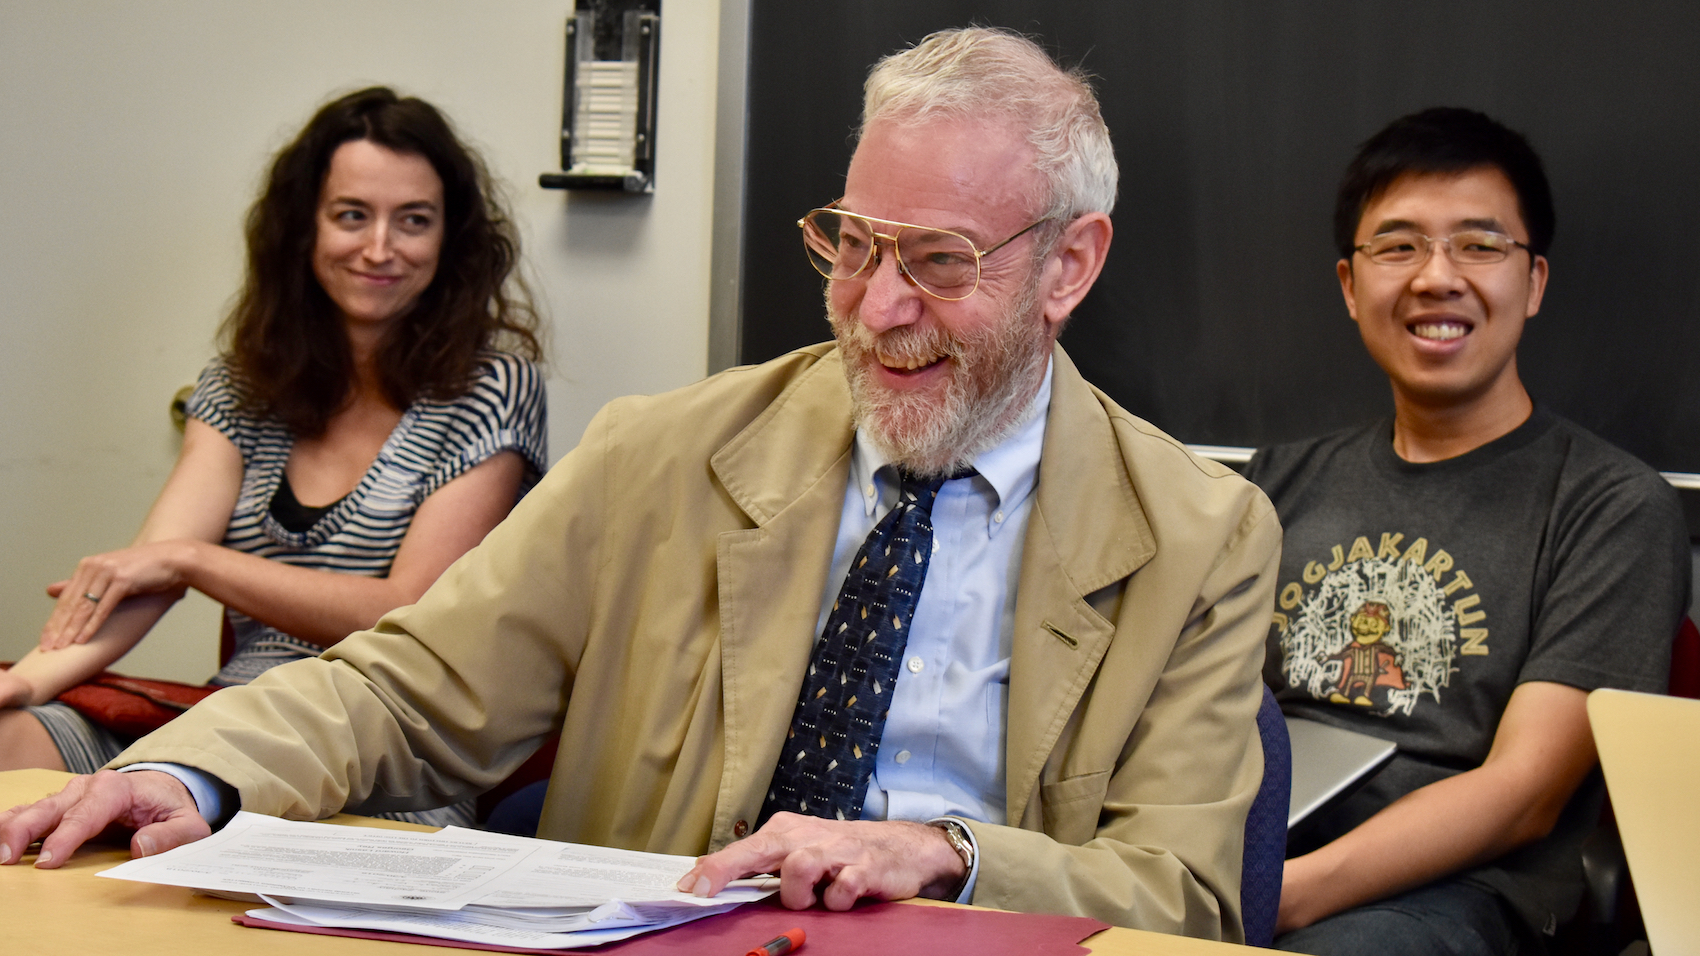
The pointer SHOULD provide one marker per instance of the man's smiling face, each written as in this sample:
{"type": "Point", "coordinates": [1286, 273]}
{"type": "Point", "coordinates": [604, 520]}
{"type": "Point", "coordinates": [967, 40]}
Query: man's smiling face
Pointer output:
{"type": "Point", "coordinates": [1445, 334]}
{"type": "Point", "coordinates": [937, 381]}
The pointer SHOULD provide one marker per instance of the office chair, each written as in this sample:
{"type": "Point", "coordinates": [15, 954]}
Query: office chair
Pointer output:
{"type": "Point", "coordinates": [1266, 828]}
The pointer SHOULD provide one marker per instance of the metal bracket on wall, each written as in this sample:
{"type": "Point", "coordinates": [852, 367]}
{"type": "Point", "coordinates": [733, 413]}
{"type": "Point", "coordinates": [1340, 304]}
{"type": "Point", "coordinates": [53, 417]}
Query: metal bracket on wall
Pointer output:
{"type": "Point", "coordinates": [180, 408]}
{"type": "Point", "coordinates": [608, 97]}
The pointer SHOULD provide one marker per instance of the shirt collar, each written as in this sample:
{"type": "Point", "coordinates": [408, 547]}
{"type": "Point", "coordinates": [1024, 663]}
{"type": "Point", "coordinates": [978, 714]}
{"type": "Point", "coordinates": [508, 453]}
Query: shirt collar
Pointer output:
{"type": "Point", "coordinates": [1011, 467]}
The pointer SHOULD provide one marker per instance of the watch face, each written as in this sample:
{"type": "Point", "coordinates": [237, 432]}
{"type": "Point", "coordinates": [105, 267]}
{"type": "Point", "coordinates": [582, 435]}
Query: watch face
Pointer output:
{"type": "Point", "coordinates": [960, 841]}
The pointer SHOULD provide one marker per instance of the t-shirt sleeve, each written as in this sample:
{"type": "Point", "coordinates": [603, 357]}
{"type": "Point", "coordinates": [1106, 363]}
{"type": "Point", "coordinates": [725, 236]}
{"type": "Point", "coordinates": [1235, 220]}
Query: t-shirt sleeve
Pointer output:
{"type": "Point", "coordinates": [1618, 587]}
{"type": "Point", "coordinates": [215, 401]}
{"type": "Point", "coordinates": [505, 410]}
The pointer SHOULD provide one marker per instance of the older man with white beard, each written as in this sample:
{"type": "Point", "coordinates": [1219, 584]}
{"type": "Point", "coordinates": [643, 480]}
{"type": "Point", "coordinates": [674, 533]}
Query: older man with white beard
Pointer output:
{"type": "Point", "coordinates": [962, 629]}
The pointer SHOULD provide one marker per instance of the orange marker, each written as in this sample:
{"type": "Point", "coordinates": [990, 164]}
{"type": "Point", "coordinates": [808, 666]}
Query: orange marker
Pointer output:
{"type": "Point", "coordinates": [779, 945]}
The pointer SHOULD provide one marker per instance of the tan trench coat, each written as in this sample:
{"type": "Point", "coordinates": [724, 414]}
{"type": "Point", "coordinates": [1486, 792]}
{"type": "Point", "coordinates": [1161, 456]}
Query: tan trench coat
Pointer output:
{"type": "Point", "coordinates": [655, 599]}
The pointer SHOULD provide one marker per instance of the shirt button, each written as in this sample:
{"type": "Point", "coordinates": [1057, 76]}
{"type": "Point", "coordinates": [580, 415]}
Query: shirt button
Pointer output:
{"type": "Point", "coordinates": [740, 828]}
{"type": "Point", "coordinates": [915, 665]}
{"type": "Point", "coordinates": [935, 546]}
{"type": "Point", "coordinates": [998, 517]}
{"type": "Point", "coordinates": [869, 490]}
{"type": "Point", "coordinates": [903, 756]}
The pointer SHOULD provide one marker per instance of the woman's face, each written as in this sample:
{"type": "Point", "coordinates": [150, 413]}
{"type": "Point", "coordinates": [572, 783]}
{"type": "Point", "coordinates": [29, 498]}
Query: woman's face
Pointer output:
{"type": "Point", "coordinates": [380, 228]}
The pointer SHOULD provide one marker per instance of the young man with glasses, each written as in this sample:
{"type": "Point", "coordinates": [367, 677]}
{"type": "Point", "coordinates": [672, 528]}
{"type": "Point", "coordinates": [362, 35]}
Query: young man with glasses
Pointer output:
{"type": "Point", "coordinates": [917, 613]}
{"type": "Point", "coordinates": [1458, 578]}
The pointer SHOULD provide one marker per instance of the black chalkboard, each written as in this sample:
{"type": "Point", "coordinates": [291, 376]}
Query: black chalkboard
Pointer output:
{"type": "Point", "coordinates": [1218, 316]}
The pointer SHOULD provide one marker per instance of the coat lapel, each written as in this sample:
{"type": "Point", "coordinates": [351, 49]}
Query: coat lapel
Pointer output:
{"type": "Point", "coordinates": [1087, 531]}
{"type": "Point", "coordinates": [787, 471]}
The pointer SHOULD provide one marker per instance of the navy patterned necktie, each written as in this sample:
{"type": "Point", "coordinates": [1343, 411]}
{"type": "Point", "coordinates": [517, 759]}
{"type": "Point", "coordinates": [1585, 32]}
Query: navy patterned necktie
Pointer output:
{"type": "Point", "coordinates": [829, 752]}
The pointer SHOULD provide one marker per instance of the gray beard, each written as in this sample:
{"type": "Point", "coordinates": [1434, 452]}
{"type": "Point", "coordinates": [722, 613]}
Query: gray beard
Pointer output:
{"type": "Point", "coordinates": [997, 371]}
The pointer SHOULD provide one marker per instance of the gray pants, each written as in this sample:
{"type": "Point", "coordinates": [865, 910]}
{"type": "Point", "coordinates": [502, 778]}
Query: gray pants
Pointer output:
{"type": "Point", "coordinates": [1447, 917]}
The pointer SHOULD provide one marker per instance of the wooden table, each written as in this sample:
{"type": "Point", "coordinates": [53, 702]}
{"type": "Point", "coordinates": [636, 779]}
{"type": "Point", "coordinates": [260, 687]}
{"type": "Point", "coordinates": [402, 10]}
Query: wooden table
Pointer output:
{"type": "Point", "coordinates": [70, 910]}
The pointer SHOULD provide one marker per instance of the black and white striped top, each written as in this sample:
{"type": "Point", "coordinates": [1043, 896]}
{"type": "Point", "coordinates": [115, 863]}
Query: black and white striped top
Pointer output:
{"type": "Point", "coordinates": [434, 443]}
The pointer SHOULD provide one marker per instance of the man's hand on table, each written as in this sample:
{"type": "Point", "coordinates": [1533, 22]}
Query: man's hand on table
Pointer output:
{"type": "Point", "coordinates": [156, 805]}
{"type": "Point", "coordinates": [838, 861]}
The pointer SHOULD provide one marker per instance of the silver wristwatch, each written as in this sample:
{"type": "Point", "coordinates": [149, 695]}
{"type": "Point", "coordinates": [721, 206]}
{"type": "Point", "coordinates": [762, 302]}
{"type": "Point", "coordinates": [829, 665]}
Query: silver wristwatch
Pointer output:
{"type": "Point", "coordinates": [957, 836]}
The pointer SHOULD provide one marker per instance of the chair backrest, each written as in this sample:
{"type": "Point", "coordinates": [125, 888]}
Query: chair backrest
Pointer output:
{"type": "Point", "coordinates": [1266, 828]}
{"type": "Point", "coordinates": [1651, 758]}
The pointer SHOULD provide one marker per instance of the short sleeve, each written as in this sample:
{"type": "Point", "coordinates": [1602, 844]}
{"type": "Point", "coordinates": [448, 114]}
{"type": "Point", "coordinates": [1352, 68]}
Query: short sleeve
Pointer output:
{"type": "Point", "coordinates": [506, 409]}
{"type": "Point", "coordinates": [216, 401]}
{"type": "Point", "coordinates": [1619, 583]}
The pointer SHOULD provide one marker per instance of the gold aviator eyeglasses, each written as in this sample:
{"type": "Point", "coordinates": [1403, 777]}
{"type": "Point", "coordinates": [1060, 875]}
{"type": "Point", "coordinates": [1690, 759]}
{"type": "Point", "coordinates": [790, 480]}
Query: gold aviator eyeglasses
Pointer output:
{"type": "Point", "coordinates": [944, 264]}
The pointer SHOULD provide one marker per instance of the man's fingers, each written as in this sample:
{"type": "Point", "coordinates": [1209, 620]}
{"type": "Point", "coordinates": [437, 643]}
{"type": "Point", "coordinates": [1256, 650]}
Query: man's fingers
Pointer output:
{"type": "Point", "coordinates": [23, 825]}
{"type": "Point", "coordinates": [848, 885]}
{"type": "Point", "coordinates": [800, 868]}
{"type": "Point", "coordinates": [744, 858]}
{"type": "Point", "coordinates": [838, 862]}
{"type": "Point", "coordinates": [91, 807]}
{"type": "Point", "coordinates": [155, 803]}
{"type": "Point", "coordinates": [761, 852]}
{"type": "Point", "coordinates": [800, 874]}
{"type": "Point", "coordinates": [169, 834]}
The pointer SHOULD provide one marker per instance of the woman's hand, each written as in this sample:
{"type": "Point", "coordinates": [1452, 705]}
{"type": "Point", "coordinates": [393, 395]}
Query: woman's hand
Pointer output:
{"type": "Point", "coordinates": [102, 581]}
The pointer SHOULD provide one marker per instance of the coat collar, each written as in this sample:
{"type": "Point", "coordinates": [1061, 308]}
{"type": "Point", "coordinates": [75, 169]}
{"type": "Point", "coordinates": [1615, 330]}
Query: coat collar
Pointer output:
{"type": "Point", "coordinates": [1096, 546]}
{"type": "Point", "coordinates": [805, 433]}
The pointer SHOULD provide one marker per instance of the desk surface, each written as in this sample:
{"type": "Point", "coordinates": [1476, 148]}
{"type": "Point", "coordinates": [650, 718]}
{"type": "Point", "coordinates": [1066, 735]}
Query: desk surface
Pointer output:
{"type": "Point", "coordinates": [70, 910]}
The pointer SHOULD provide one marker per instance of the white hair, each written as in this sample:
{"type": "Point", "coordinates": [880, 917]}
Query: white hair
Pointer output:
{"type": "Point", "coordinates": [988, 73]}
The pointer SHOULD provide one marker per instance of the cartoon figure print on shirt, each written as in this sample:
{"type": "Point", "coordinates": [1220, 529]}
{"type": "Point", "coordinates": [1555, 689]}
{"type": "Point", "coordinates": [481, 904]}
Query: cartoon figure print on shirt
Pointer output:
{"type": "Point", "coordinates": [1366, 662]}
{"type": "Point", "coordinates": [1379, 627]}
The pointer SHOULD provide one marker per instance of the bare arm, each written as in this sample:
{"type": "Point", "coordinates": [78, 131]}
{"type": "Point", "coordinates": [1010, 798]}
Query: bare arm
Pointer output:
{"type": "Point", "coordinates": [1540, 754]}
{"type": "Point", "coordinates": [177, 548]}
{"type": "Point", "coordinates": [39, 676]}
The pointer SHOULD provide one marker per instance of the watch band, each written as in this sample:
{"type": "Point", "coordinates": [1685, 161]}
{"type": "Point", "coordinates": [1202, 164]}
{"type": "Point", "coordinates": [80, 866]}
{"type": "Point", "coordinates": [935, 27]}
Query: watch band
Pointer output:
{"type": "Point", "coordinates": [957, 836]}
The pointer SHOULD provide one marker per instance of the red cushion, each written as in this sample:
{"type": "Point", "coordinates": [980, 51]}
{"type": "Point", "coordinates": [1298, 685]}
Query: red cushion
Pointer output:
{"type": "Point", "coordinates": [132, 706]}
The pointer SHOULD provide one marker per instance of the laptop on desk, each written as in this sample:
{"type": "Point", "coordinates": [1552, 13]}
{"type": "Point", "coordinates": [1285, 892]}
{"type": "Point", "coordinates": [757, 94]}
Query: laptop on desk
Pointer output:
{"type": "Point", "coordinates": [1329, 764]}
{"type": "Point", "coordinates": [1650, 751]}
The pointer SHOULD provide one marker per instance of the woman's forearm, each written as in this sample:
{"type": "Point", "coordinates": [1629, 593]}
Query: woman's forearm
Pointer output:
{"type": "Point", "coordinates": [47, 674]}
{"type": "Point", "coordinates": [318, 606]}
{"type": "Point", "coordinates": [325, 606]}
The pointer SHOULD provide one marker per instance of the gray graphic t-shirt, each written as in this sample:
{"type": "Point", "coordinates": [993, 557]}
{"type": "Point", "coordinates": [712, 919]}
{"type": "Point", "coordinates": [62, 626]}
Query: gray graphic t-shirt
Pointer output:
{"type": "Point", "coordinates": [1414, 598]}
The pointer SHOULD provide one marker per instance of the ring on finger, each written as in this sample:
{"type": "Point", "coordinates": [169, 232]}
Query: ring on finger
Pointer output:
{"type": "Point", "coordinates": [93, 598]}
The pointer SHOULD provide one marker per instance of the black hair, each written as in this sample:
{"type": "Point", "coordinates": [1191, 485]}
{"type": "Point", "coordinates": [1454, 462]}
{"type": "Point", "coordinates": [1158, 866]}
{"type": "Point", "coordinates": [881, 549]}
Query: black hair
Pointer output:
{"type": "Point", "coordinates": [1444, 140]}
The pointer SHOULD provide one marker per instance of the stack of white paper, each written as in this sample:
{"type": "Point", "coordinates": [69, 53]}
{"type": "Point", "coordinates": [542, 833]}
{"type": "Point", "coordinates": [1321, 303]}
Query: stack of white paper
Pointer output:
{"type": "Point", "coordinates": [456, 883]}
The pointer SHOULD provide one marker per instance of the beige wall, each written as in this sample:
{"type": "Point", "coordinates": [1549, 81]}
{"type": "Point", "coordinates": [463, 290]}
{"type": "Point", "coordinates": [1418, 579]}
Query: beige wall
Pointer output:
{"type": "Point", "coordinates": [131, 139]}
